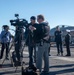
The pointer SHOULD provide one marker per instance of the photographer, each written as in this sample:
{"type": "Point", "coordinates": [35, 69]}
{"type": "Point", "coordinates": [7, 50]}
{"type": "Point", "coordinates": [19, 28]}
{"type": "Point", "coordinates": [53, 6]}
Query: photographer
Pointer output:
{"type": "Point", "coordinates": [30, 40]}
{"type": "Point", "coordinates": [42, 37]}
{"type": "Point", "coordinates": [5, 40]}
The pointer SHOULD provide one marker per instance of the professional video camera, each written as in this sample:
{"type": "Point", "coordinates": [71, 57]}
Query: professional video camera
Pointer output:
{"type": "Point", "coordinates": [19, 22]}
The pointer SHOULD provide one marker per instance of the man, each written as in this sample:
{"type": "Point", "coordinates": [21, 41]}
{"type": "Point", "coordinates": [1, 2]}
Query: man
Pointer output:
{"type": "Point", "coordinates": [42, 37]}
{"type": "Point", "coordinates": [49, 46]}
{"type": "Point", "coordinates": [58, 40]}
{"type": "Point", "coordinates": [5, 40]}
{"type": "Point", "coordinates": [30, 40]}
{"type": "Point", "coordinates": [67, 42]}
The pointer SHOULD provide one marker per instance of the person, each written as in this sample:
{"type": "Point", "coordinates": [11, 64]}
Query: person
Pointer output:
{"type": "Point", "coordinates": [42, 45]}
{"type": "Point", "coordinates": [30, 40]}
{"type": "Point", "coordinates": [5, 40]}
{"type": "Point", "coordinates": [58, 40]}
{"type": "Point", "coordinates": [49, 46]}
{"type": "Point", "coordinates": [67, 43]}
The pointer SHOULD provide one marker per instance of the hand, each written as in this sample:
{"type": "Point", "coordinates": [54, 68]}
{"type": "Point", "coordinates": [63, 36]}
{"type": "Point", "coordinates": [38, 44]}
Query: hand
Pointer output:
{"type": "Point", "coordinates": [32, 28]}
{"type": "Point", "coordinates": [46, 38]}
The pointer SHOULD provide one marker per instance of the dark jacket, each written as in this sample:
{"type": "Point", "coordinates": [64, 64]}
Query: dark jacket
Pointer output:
{"type": "Point", "coordinates": [67, 38]}
{"type": "Point", "coordinates": [58, 37]}
{"type": "Point", "coordinates": [30, 35]}
{"type": "Point", "coordinates": [41, 32]}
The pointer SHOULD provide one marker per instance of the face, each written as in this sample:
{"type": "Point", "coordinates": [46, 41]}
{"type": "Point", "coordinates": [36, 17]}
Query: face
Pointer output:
{"type": "Point", "coordinates": [58, 28]}
{"type": "Point", "coordinates": [32, 21]}
{"type": "Point", "coordinates": [39, 20]}
{"type": "Point", "coordinates": [7, 28]}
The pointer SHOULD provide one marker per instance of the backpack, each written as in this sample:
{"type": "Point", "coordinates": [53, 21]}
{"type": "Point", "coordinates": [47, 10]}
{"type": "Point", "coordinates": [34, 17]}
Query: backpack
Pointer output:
{"type": "Point", "coordinates": [14, 58]}
{"type": "Point", "coordinates": [29, 70]}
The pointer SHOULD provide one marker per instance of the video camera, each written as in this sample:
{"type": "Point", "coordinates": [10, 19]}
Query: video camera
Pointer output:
{"type": "Point", "coordinates": [19, 22]}
{"type": "Point", "coordinates": [20, 25]}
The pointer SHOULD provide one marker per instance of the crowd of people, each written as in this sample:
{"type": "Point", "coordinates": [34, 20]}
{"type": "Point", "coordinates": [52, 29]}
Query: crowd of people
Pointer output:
{"type": "Point", "coordinates": [58, 39]}
{"type": "Point", "coordinates": [37, 37]}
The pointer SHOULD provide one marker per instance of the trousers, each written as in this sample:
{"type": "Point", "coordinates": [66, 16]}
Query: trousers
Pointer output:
{"type": "Point", "coordinates": [59, 47]}
{"type": "Point", "coordinates": [5, 45]}
{"type": "Point", "coordinates": [31, 49]}
{"type": "Point", "coordinates": [42, 53]}
{"type": "Point", "coordinates": [68, 48]}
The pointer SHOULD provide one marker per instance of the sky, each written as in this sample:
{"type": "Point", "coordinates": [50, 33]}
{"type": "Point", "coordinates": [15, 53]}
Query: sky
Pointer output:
{"type": "Point", "coordinates": [56, 12]}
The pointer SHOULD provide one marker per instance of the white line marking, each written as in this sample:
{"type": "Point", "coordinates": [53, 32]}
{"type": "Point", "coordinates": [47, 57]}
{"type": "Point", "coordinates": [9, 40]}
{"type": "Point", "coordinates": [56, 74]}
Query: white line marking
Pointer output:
{"type": "Point", "coordinates": [69, 59]}
{"type": "Point", "coordinates": [63, 58]}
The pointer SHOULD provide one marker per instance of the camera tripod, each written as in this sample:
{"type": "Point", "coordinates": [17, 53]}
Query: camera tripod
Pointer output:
{"type": "Point", "coordinates": [9, 55]}
{"type": "Point", "coordinates": [12, 63]}
{"type": "Point", "coordinates": [21, 58]}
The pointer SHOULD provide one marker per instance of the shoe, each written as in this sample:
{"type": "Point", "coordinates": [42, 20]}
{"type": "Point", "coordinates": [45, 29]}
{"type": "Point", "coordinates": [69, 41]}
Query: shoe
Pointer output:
{"type": "Point", "coordinates": [49, 55]}
{"type": "Point", "coordinates": [44, 73]}
{"type": "Point", "coordinates": [67, 55]}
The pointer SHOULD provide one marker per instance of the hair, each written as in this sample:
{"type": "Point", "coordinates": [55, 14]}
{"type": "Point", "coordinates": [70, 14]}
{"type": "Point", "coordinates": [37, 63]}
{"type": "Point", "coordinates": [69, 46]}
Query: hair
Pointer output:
{"type": "Point", "coordinates": [33, 18]}
{"type": "Point", "coordinates": [57, 27]}
{"type": "Point", "coordinates": [5, 26]}
{"type": "Point", "coordinates": [41, 16]}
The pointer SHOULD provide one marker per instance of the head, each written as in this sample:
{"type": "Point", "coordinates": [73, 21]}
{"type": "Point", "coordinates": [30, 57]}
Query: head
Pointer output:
{"type": "Point", "coordinates": [68, 31]}
{"type": "Point", "coordinates": [40, 18]}
{"type": "Point", "coordinates": [6, 27]}
{"type": "Point", "coordinates": [33, 19]}
{"type": "Point", "coordinates": [58, 28]}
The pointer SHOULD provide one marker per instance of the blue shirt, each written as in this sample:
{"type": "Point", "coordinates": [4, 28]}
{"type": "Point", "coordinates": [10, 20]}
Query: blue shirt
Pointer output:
{"type": "Point", "coordinates": [5, 36]}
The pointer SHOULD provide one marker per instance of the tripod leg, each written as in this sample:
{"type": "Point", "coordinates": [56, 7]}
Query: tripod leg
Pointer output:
{"type": "Point", "coordinates": [11, 60]}
{"type": "Point", "coordinates": [16, 69]}
{"type": "Point", "coordinates": [10, 54]}
{"type": "Point", "coordinates": [3, 61]}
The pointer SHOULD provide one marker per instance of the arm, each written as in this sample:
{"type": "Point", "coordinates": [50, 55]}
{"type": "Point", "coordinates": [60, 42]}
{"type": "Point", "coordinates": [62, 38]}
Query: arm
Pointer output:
{"type": "Point", "coordinates": [2, 34]}
{"type": "Point", "coordinates": [70, 38]}
{"type": "Point", "coordinates": [10, 36]}
{"type": "Point", "coordinates": [47, 33]}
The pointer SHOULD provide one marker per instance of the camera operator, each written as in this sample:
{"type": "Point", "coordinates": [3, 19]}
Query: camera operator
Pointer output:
{"type": "Point", "coordinates": [5, 40]}
{"type": "Point", "coordinates": [42, 41]}
{"type": "Point", "coordinates": [30, 41]}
